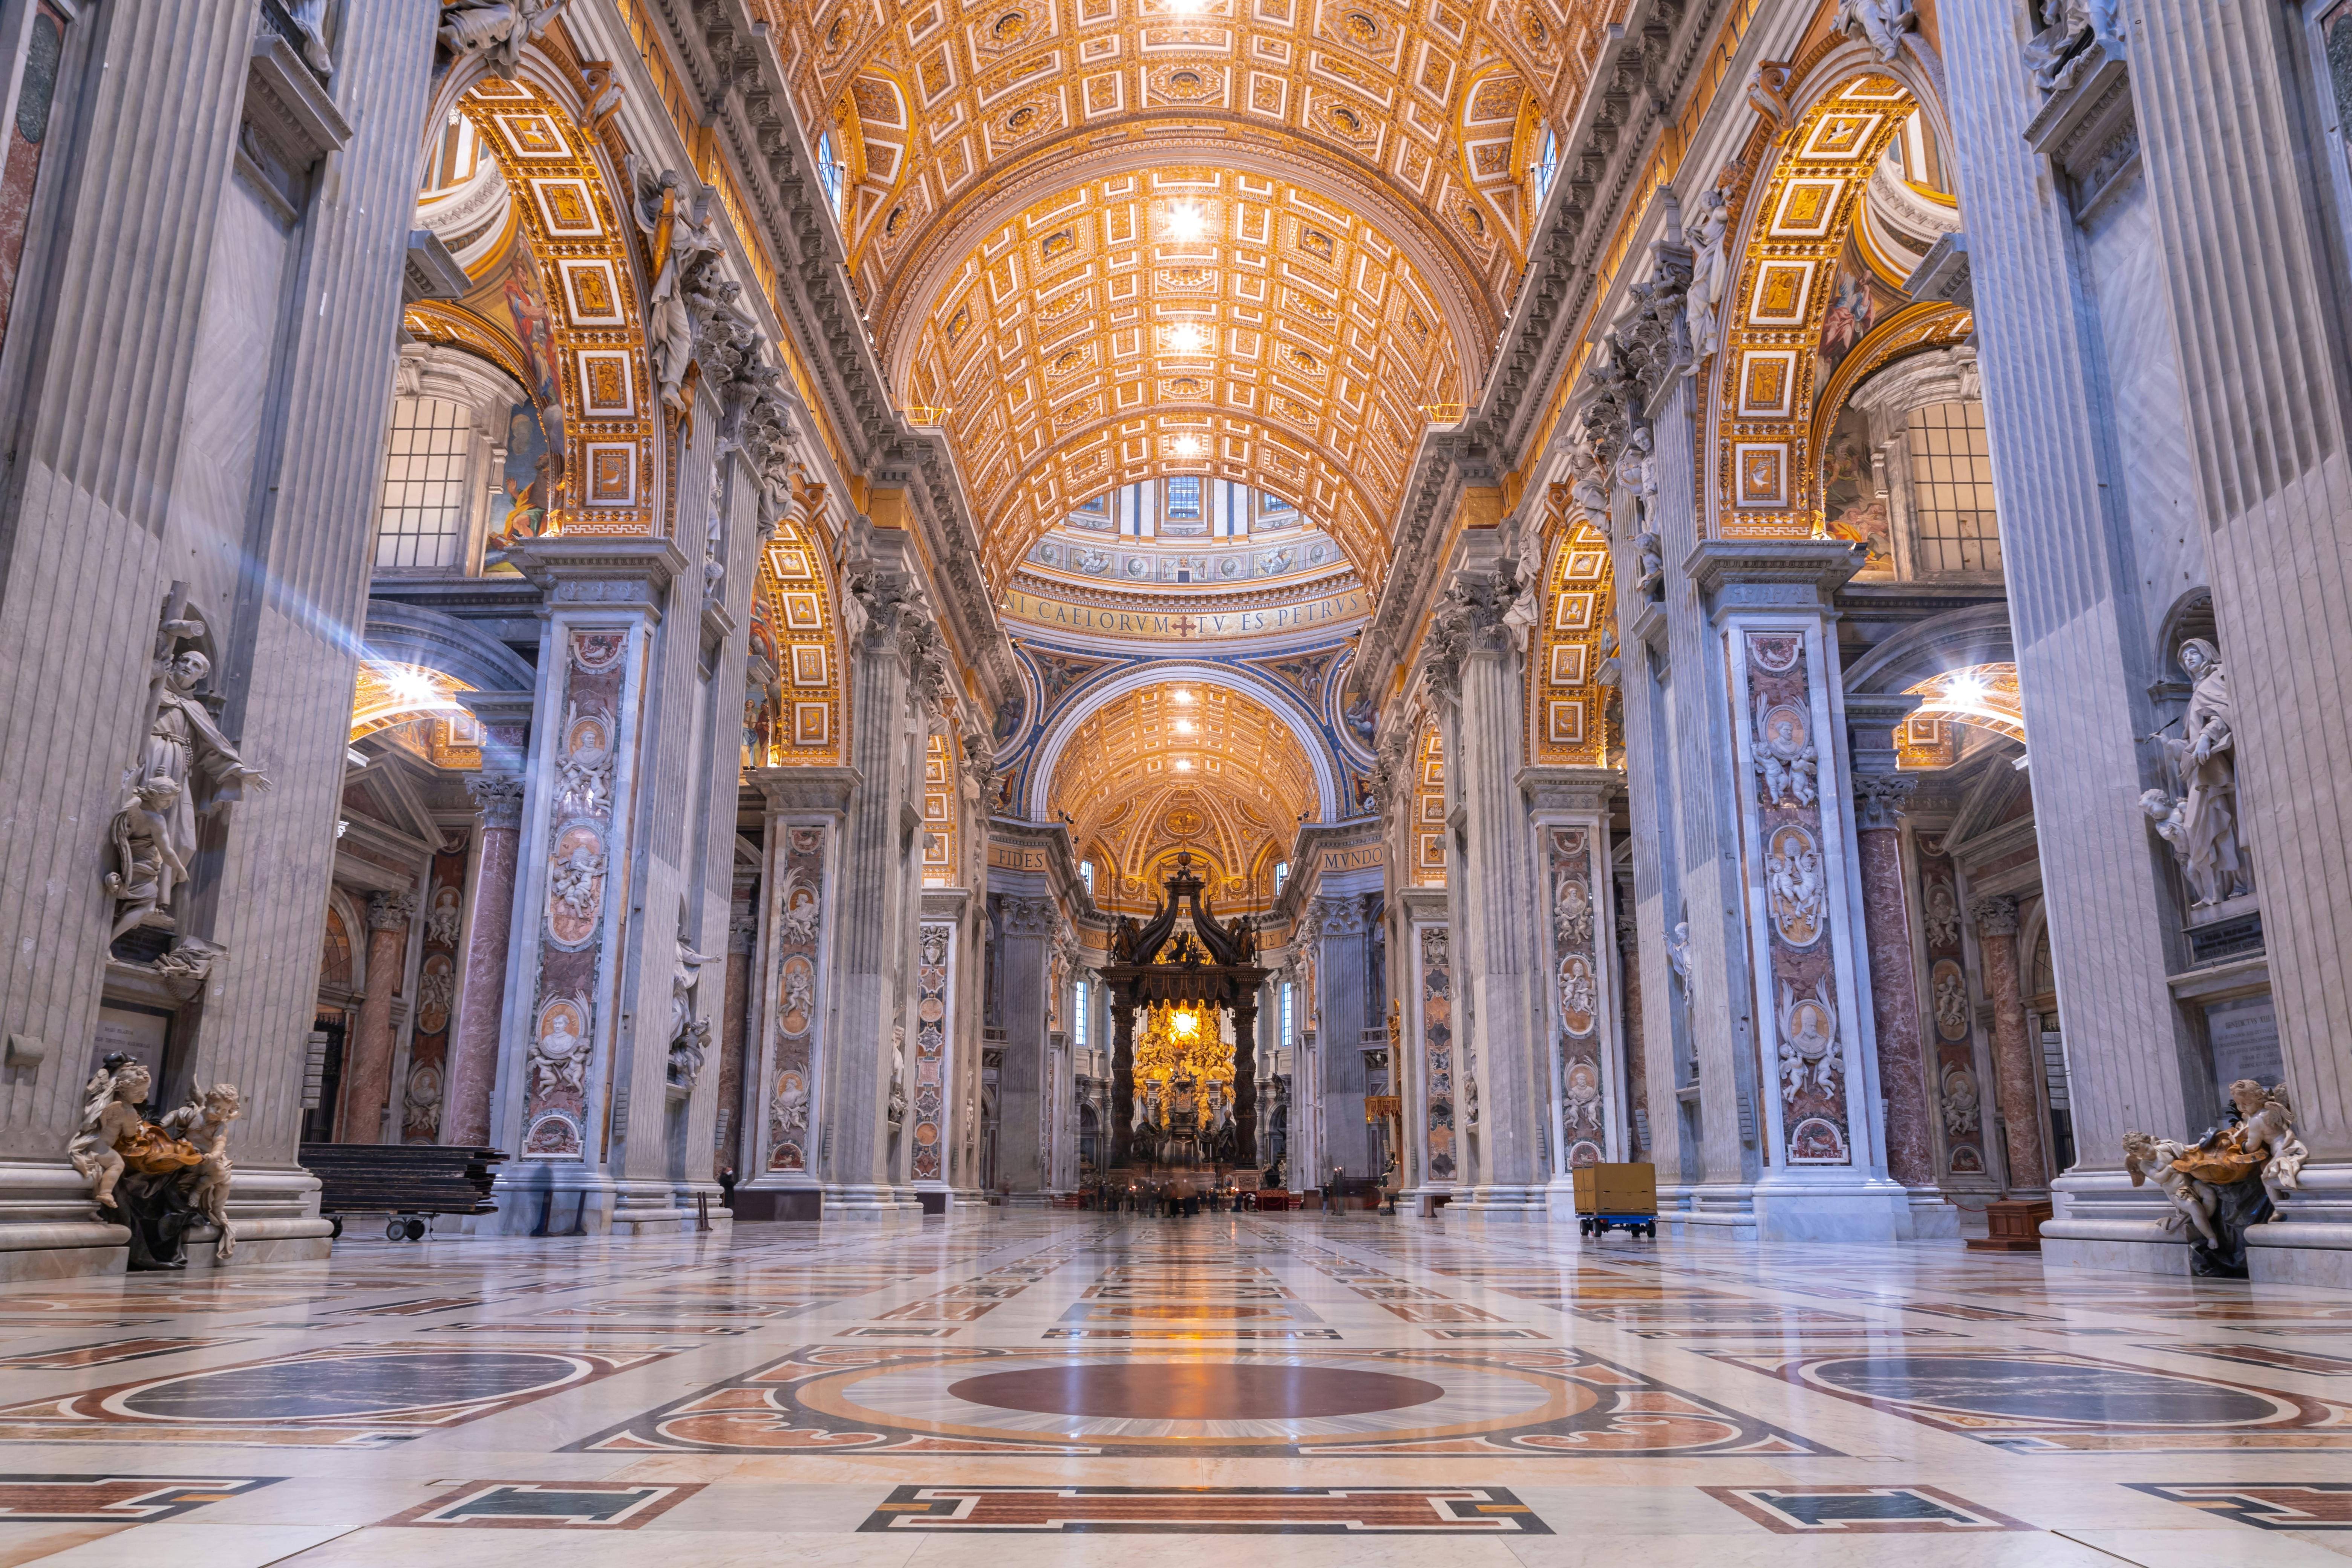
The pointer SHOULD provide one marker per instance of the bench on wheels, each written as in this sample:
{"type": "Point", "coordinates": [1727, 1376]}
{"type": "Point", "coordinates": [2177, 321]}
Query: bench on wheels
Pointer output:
{"type": "Point", "coordinates": [406, 1182]}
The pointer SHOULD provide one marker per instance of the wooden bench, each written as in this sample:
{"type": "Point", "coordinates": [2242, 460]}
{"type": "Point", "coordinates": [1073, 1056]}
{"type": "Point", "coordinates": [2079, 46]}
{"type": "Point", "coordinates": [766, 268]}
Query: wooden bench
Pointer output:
{"type": "Point", "coordinates": [405, 1181]}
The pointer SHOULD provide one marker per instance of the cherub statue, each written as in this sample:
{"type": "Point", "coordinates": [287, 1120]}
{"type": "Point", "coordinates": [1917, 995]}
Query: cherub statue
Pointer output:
{"type": "Point", "coordinates": [115, 1138]}
{"type": "Point", "coordinates": [203, 1122]}
{"type": "Point", "coordinates": [2150, 1160]}
{"type": "Point", "coordinates": [2268, 1131]}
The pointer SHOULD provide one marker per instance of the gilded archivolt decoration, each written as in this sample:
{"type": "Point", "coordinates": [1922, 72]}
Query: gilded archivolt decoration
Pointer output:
{"type": "Point", "coordinates": [937, 102]}
{"type": "Point", "coordinates": [585, 333]}
{"type": "Point", "coordinates": [1785, 289]}
{"type": "Point", "coordinates": [1566, 696]}
{"type": "Point", "coordinates": [1184, 321]}
{"type": "Point", "coordinates": [1429, 807]}
{"type": "Point", "coordinates": [793, 713]}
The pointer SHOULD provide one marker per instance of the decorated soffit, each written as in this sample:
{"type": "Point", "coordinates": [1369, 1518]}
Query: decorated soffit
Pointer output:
{"type": "Point", "coordinates": [1241, 773]}
{"type": "Point", "coordinates": [938, 106]}
{"type": "Point", "coordinates": [1182, 321]}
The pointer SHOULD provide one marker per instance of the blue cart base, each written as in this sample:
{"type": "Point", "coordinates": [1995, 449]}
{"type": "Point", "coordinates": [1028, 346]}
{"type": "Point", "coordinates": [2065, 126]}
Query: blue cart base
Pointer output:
{"type": "Point", "coordinates": [1633, 1223]}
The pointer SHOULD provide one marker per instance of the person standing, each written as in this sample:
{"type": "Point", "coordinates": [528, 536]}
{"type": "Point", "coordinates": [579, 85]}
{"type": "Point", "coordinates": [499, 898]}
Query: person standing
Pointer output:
{"type": "Point", "coordinates": [1331, 1189]}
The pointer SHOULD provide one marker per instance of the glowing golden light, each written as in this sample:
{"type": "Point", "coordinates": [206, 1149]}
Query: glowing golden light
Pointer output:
{"type": "Point", "coordinates": [1184, 726]}
{"type": "Point", "coordinates": [1183, 764]}
{"type": "Point", "coordinates": [1179, 695]}
{"type": "Point", "coordinates": [1185, 1025]}
{"type": "Point", "coordinates": [1187, 338]}
{"type": "Point", "coordinates": [1187, 221]}
{"type": "Point", "coordinates": [1187, 447]}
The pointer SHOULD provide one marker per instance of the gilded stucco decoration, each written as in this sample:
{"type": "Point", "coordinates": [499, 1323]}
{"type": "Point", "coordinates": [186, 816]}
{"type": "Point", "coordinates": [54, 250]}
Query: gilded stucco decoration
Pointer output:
{"type": "Point", "coordinates": [1428, 828]}
{"type": "Point", "coordinates": [1188, 320]}
{"type": "Point", "coordinates": [1983, 695]}
{"type": "Point", "coordinates": [576, 323]}
{"type": "Point", "coordinates": [1569, 665]}
{"type": "Point", "coordinates": [792, 709]}
{"type": "Point", "coordinates": [948, 101]}
{"type": "Point", "coordinates": [388, 695]}
{"type": "Point", "coordinates": [1800, 304]}
{"type": "Point", "coordinates": [1186, 766]}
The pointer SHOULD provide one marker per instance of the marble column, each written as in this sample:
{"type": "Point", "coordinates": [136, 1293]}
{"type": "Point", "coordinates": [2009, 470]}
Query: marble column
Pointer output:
{"type": "Point", "coordinates": [490, 937]}
{"type": "Point", "coordinates": [1339, 971]}
{"type": "Point", "coordinates": [1024, 1100]}
{"type": "Point", "coordinates": [1583, 1082]}
{"type": "Point", "coordinates": [1638, 1136]}
{"type": "Point", "coordinates": [1122, 1079]}
{"type": "Point", "coordinates": [2093, 437]}
{"type": "Point", "coordinates": [2251, 264]}
{"type": "Point", "coordinates": [1492, 884]}
{"type": "Point", "coordinates": [1245, 1080]}
{"type": "Point", "coordinates": [2017, 1063]}
{"type": "Point", "coordinates": [789, 1029]}
{"type": "Point", "coordinates": [742, 944]}
{"type": "Point", "coordinates": [1893, 983]}
{"type": "Point", "coordinates": [367, 1071]}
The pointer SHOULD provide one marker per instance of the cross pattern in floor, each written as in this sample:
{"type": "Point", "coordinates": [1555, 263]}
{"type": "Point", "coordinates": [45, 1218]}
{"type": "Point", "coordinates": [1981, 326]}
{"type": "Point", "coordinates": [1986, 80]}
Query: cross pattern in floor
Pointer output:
{"type": "Point", "coordinates": [852, 1396]}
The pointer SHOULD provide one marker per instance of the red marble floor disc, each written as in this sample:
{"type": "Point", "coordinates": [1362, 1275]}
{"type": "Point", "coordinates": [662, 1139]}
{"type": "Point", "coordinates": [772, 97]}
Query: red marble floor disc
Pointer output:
{"type": "Point", "coordinates": [1188, 1390]}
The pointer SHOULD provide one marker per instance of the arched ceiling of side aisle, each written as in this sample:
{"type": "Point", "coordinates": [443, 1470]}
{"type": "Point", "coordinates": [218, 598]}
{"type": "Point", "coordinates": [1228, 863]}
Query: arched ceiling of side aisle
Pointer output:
{"type": "Point", "coordinates": [1366, 174]}
{"type": "Point", "coordinates": [1187, 764]}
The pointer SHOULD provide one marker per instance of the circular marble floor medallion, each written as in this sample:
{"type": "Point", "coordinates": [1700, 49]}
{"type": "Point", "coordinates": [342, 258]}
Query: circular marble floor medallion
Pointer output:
{"type": "Point", "coordinates": [1198, 1390]}
{"type": "Point", "coordinates": [2046, 1391]}
{"type": "Point", "coordinates": [348, 1386]}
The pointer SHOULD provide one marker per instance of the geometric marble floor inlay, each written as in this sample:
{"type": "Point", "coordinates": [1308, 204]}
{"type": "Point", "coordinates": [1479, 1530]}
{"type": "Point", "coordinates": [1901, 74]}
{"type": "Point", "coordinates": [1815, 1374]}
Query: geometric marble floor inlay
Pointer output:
{"type": "Point", "coordinates": [830, 1395]}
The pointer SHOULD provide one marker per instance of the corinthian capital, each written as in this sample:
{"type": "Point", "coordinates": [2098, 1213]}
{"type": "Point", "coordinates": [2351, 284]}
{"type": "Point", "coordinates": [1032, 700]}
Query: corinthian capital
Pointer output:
{"type": "Point", "coordinates": [1994, 916]}
{"type": "Point", "coordinates": [1879, 799]}
{"type": "Point", "coordinates": [390, 912]}
{"type": "Point", "coordinates": [498, 797]}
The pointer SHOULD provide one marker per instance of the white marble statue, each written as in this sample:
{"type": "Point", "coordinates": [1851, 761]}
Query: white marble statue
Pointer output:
{"type": "Point", "coordinates": [2202, 823]}
{"type": "Point", "coordinates": [559, 1056]}
{"type": "Point", "coordinates": [2267, 1132]}
{"type": "Point", "coordinates": [1710, 280]}
{"type": "Point", "coordinates": [1881, 22]}
{"type": "Point", "coordinates": [898, 1111]}
{"type": "Point", "coordinates": [1678, 955]}
{"type": "Point", "coordinates": [496, 29]}
{"type": "Point", "coordinates": [2063, 42]}
{"type": "Point", "coordinates": [791, 1105]}
{"type": "Point", "coordinates": [187, 770]}
{"type": "Point", "coordinates": [2150, 1160]}
{"type": "Point", "coordinates": [576, 880]}
{"type": "Point", "coordinates": [679, 216]}
{"type": "Point", "coordinates": [203, 1122]}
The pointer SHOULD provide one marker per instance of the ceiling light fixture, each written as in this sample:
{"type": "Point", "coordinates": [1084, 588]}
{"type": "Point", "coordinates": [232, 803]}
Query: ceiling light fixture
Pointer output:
{"type": "Point", "coordinates": [1188, 338]}
{"type": "Point", "coordinates": [1184, 726]}
{"type": "Point", "coordinates": [1181, 696]}
{"type": "Point", "coordinates": [1187, 221]}
{"type": "Point", "coordinates": [1187, 447]}
{"type": "Point", "coordinates": [1186, 7]}
{"type": "Point", "coordinates": [1183, 764]}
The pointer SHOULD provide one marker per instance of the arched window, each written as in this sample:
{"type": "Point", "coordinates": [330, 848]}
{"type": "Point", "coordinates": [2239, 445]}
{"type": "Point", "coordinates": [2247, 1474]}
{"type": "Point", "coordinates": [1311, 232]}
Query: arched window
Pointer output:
{"type": "Point", "coordinates": [1281, 874]}
{"type": "Point", "coordinates": [1547, 166]}
{"type": "Point", "coordinates": [1086, 876]}
{"type": "Point", "coordinates": [420, 525]}
{"type": "Point", "coordinates": [1288, 1038]}
{"type": "Point", "coordinates": [1078, 1016]}
{"type": "Point", "coordinates": [828, 171]}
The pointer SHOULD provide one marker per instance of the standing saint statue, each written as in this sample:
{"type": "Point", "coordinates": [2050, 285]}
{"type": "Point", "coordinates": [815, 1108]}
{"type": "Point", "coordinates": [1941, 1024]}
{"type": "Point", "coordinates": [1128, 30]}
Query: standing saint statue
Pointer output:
{"type": "Point", "coordinates": [2202, 823]}
{"type": "Point", "coordinates": [186, 757]}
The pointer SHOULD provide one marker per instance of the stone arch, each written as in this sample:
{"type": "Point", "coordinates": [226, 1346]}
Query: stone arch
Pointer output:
{"type": "Point", "coordinates": [794, 713]}
{"type": "Point", "coordinates": [1802, 326]}
{"type": "Point", "coordinates": [1572, 642]}
{"type": "Point", "coordinates": [558, 305]}
{"type": "Point", "coordinates": [1269, 694]}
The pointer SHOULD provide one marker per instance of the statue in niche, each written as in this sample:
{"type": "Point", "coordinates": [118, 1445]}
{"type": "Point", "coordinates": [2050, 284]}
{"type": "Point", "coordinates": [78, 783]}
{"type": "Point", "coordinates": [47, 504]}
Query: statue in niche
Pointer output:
{"type": "Point", "coordinates": [1881, 23]}
{"type": "Point", "coordinates": [496, 29]}
{"type": "Point", "coordinates": [2233, 1178]}
{"type": "Point", "coordinates": [898, 1111]}
{"type": "Point", "coordinates": [145, 1177]}
{"type": "Point", "coordinates": [678, 214]}
{"type": "Point", "coordinates": [1960, 1101]}
{"type": "Point", "coordinates": [1649, 581]}
{"type": "Point", "coordinates": [2067, 36]}
{"type": "Point", "coordinates": [1710, 269]}
{"type": "Point", "coordinates": [689, 1037]}
{"type": "Point", "coordinates": [2201, 824]}
{"type": "Point", "coordinates": [188, 770]}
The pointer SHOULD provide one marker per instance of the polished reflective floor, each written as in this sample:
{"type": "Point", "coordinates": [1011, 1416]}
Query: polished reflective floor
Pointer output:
{"type": "Point", "coordinates": [1040, 1388]}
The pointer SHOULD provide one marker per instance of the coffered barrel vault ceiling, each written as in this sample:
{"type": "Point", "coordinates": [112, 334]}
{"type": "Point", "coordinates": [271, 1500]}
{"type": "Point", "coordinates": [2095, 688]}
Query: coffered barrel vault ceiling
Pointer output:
{"type": "Point", "coordinates": [1024, 177]}
{"type": "Point", "coordinates": [1184, 765]}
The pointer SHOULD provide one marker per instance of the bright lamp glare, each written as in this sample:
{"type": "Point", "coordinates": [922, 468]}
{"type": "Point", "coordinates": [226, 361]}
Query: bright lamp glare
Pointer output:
{"type": "Point", "coordinates": [1967, 691]}
{"type": "Point", "coordinates": [1187, 221]}
{"type": "Point", "coordinates": [1186, 446]}
{"type": "Point", "coordinates": [1186, 338]}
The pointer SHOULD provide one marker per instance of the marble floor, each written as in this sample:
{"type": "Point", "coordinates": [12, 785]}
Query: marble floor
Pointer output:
{"type": "Point", "coordinates": [1371, 1391]}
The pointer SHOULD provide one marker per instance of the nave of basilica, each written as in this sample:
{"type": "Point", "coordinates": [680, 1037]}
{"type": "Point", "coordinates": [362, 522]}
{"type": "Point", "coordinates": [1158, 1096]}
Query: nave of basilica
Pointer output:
{"type": "Point", "coordinates": [1577, 768]}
